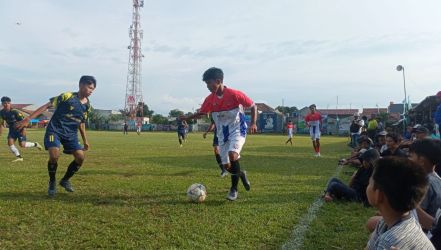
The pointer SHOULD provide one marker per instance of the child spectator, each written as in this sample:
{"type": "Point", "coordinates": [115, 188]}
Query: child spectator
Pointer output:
{"type": "Point", "coordinates": [396, 187]}
{"type": "Point", "coordinates": [393, 146]}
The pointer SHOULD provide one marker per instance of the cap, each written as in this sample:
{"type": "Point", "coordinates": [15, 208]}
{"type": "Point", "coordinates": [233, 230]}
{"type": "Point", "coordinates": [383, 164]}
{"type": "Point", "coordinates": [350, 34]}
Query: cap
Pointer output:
{"type": "Point", "coordinates": [422, 129]}
{"type": "Point", "coordinates": [382, 133]}
{"type": "Point", "coordinates": [370, 155]}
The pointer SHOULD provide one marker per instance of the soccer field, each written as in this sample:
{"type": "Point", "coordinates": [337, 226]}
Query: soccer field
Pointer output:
{"type": "Point", "coordinates": [131, 193]}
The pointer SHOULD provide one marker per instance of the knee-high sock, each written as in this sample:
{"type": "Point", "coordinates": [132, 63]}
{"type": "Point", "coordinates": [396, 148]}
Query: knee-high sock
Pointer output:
{"type": "Point", "coordinates": [235, 173]}
{"type": "Point", "coordinates": [180, 141]}
{"type": "Point", "coordinates": [52, 170]}
{"type": "Point", "coordinates": [71, 170]}
{"type": "Point", "coordinates": [30, 144]}
{"type": "Point", "coordinates": [14, 150]}
{"type": "Point", "coordinates": [318, 146]}
{"type": "Point", "coordinates": [219, 162]}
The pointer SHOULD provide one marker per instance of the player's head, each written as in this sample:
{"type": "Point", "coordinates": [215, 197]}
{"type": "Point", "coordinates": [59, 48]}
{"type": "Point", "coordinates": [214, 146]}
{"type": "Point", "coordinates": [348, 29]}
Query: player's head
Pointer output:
{"type": "Point", "coordinates": [399, 182]}
{"type": "Point", "coordinates": [312, 107]}
{"type": "Point", "coordinates": [87, 85]}
{"type": "Point", "coordinates": [6, 102]}
{"type": "Point", "coordinates": [213, 77]}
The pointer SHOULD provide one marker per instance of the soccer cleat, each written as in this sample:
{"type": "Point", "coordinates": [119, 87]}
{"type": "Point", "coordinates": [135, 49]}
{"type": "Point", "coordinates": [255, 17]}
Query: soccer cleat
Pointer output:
{"type": "Point", "coordinates": [232, 195]}
{"type": "Point", "coordinates": [18, 159]}
{"type": "Point", "coordinates": [52, 189]}
{"type": "Point", "coordinates": [67, 186]}
{"type": "Point", "coordinates": [245, 181]}
{"type": "Point", "coordinates": [38, 145]}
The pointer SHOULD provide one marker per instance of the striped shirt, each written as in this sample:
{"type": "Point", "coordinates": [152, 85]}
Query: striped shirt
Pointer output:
{"type": "Point", "coordinates": [406, 234]}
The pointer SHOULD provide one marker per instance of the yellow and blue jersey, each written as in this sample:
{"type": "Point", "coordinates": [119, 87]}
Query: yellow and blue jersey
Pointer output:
{"type": "Point", "coordinates": [69, 114]}
{"type": "Point", "coordinates": [11, 117]}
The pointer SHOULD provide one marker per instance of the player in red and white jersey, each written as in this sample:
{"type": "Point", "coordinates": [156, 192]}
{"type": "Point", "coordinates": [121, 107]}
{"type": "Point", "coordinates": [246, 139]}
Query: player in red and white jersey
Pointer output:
{"type": "Point", "coordinates": [226, 107]}
{"type": "Point", "coordinates": [314, 121]}
{"type": "Point", "coordinates": [289, 128]}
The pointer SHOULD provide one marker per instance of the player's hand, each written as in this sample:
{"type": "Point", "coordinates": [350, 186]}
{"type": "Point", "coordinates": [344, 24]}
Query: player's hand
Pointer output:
{"type": "Point", "coordinates": [22, 124]}
{"type": "Point", "coordinates": [86, 146]}
{"type": "Point", "coordinates": [204, 135]}
{"type": "Point", "coordinates": [253, 128]}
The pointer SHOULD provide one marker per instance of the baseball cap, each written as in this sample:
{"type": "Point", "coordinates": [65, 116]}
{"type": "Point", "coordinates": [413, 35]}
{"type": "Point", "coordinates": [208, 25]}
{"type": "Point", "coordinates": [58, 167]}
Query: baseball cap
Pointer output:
{"type": "Point", "coordinates": [422, 129]}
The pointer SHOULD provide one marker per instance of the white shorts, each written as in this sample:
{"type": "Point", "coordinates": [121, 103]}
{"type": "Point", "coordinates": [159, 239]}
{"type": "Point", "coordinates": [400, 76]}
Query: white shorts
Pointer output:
{"type": "Point", "coordinates": [234, 145]}
{"type": "Point", "coordinates": [314, 131]}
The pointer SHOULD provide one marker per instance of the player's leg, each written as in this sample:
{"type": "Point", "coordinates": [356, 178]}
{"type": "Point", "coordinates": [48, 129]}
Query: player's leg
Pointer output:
{"type": "Point", "coordinates": [180, 138]}
{"type": "Point", "coordinates": [317, 143]}
{"type": "Point", "coordinates": [52, 144]}
{"type": "Point", "coordinates": [14, 150]}
{"type": "Point", "coordinates": [224, 172]}
{"type": "Point", "coordinates": [235, 147]}
{"type": "Point", "coordinates": [72, 147]}
{"type": "Point", "coordinates": [25, 144]}
{"type": "Point", "coordinates": [312, 131]}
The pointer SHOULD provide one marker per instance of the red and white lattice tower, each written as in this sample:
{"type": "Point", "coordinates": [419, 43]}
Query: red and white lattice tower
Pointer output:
{"type": "Point", "coordinates": [134, 100]}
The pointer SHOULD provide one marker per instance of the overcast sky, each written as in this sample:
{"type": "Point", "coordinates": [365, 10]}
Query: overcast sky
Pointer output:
{"type": "Point", "coordinates": [298, 52]}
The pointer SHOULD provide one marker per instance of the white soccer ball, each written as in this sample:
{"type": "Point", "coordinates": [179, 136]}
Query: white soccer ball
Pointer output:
{"type": "Point", "coordinates": [196, 193]}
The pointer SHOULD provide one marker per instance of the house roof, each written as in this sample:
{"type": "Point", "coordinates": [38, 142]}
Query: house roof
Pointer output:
{"type": "Point", "coordinates": [398, 107]}
{"type": "Point", "coordinates": [337, 111]}
{"type": "Point", "coordinates": [264, 108]}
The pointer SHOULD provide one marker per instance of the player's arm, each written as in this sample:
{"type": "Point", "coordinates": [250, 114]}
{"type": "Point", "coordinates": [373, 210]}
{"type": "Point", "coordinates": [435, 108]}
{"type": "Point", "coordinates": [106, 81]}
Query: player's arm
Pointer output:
{"type": "Point", "coordinates": [82, 129]}
{"type": "Point", "coordinates": [253, 126]}
{"type": "Point", "coordinates": [192, 117]}
{"type": "Point", "coordinates": [23, 123]}
{"type": "Point", "coordinates": [210, 128]}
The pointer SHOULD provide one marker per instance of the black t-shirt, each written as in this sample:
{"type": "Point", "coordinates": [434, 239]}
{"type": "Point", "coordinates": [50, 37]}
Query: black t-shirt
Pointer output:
{"type": "Point", "coordinates": [398, 152]}
{"type": "Point", "coordinates": [361, 181]}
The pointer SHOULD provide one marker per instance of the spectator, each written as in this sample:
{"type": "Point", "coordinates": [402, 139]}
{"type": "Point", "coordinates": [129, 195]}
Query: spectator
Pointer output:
{"type": "Point", "coordinates": [408, 133]}
{"type": "Point", "coordinates": [372, 127]}
{"type": "Point", "coordinates": [355, 129]}
{"type": "Point", "coordinates": [381, 145]}
{"type": "Point", "coordinates": [438, 114]}
{"type": "Point", "coordinates": [356, 190]}
{"type": "Point", "coordinates": [365, 144]}
{"type": "Point", "coordinates": [393, 146]}
{"type": "Point", "coordinates": [396, 187]}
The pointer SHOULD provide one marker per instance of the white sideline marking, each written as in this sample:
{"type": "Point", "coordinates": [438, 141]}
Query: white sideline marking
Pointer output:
{"type": "Point", "coordinates": [298, 233]}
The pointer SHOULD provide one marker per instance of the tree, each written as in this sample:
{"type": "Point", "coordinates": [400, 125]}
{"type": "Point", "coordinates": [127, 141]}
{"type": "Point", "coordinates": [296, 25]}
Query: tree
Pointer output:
{"type": "Point", "coordinates": [159, 119]}
{"type": "Point", "coordinates": [286, 110]}
{"type": "Point", "coordinates": [175, 113]}
{"type": "Point", "coordinates": [96, 118]}
{"type": "Point", "coordinates": [147, 111]}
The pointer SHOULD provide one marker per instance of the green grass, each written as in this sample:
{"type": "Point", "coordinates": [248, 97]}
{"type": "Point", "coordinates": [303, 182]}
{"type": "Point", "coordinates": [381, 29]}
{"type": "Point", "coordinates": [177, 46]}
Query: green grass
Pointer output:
{"type": "Point", "coordinates": [130, 193]}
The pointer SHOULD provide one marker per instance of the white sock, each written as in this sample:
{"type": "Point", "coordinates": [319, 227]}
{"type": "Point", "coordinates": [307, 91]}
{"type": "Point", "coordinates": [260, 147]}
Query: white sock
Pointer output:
{"type": "Point", "coordinates": [14, 150]}
{"type": "Point", "coordinates": [29, 144]}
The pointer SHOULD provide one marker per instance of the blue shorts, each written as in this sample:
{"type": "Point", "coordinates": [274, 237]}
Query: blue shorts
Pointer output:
{"type": "Point", "coordinates": [14, 134]}
{"type": "Point", "coordinates": [52, 140]}
{"type": "Point", "coordinates": [181, 133]}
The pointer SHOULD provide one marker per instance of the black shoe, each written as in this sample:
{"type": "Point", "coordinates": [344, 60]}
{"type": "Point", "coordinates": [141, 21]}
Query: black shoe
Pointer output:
{"type": "Point", "coordinates": [52, 189]}
{"type": "Point", "coordinates": [245, 181]}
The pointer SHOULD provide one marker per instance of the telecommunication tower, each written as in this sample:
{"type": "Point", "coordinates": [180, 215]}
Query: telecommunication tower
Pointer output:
{"type": "Point", "coordinates": [134, 102]}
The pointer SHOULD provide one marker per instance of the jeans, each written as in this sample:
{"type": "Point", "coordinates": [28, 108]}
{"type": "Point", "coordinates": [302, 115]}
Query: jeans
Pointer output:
{"type": "Point", "coordinates": [354, 141]}
{"type": "Point", "coordinates": [340, 190]}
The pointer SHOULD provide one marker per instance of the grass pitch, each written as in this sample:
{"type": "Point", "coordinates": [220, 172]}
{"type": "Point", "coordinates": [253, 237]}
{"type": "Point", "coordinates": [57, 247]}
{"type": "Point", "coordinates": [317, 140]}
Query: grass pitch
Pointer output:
{"type": "Point", "coordinates": [130, 193]}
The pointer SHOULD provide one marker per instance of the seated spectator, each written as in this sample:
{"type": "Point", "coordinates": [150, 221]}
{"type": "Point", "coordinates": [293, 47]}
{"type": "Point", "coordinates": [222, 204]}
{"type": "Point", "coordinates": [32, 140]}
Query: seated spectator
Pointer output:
{"type": "Point", "coordinates": [365, 144]}
{"type": "Point", "coordinates": [356, 190]}
{"type": "Point", "coordinates": [396, 187]}
{"type": "Point", "coordinates": [427, 153]}
{"type": "Point", "coordinates": [393, 146]}
{"type": "Point", "coordinates": [381, 146]}
{"type": "Point", "coordinates": [418, 133]}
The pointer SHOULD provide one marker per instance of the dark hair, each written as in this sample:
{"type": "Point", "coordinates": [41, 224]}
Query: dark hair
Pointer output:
{"type": "Point", "coordinates": [365, 138]}
{"type": "Point", "coordinates": [312, 105]}
{"type": "Point", "coordinates": [394, 136]}
{"type": "Point", "coordinates": [403, 182]}
{"type": "Point", "coordinates": [428, 148]}
{"type": "Point", "coordinates": [5, 99]}
{"type": "Point", "coordinates": [213, 73]}
{"type": "Point", "coordinates": [88, 80]}
{"type": "Point", "coordinates": [370, 155]}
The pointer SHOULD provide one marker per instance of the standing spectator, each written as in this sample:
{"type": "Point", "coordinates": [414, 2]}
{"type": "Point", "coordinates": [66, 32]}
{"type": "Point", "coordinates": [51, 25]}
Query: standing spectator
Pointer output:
{"type": "Point", "coordinates": [355, 129]}
{"type": "Point", "coordinates": [372, 127]}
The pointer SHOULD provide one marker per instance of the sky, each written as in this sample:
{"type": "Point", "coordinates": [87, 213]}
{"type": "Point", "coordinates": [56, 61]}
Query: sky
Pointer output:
{"type": "Point", "coordinates": [286, 52]}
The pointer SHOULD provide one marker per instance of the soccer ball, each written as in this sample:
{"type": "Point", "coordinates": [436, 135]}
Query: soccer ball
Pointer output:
{"type": "Point", "coordinates": [196, 193]}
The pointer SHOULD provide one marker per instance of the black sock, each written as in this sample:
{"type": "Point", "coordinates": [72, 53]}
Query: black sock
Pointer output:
{"type": "Point", "coordinates": [71, 170]}
{"type": "Point", "coordinates": [235, 173]}
{"type": "Point", "coordinates": [180, 141]}
{"type": "Point", "coordinates": [52, 170]}
{"type": "Point", "coordinates": [219, 162]}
